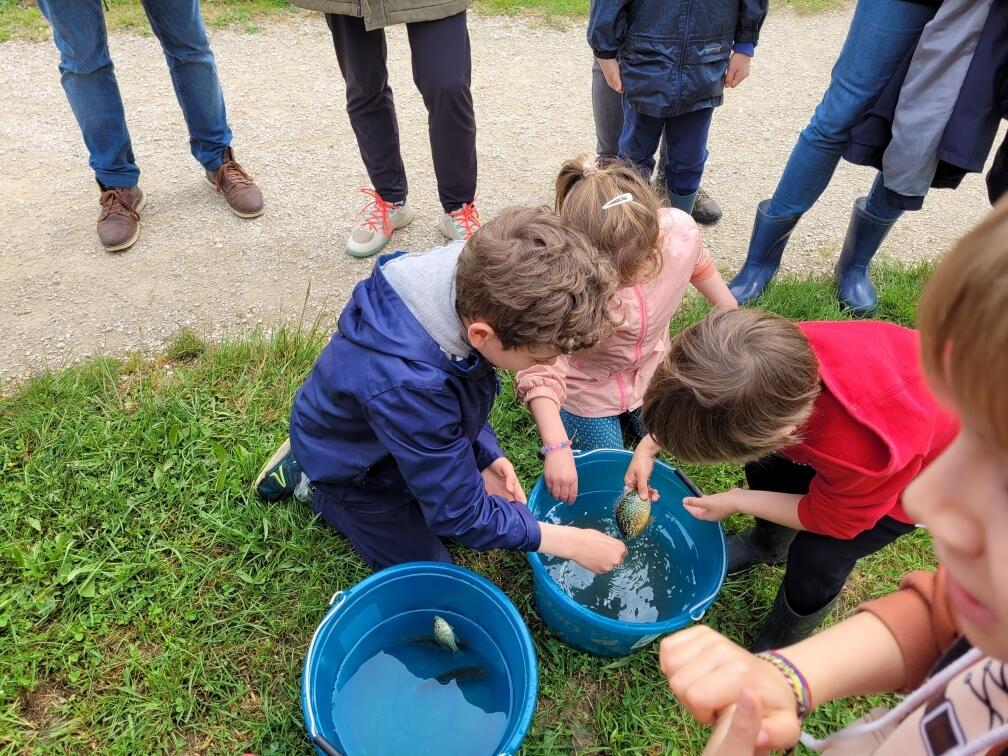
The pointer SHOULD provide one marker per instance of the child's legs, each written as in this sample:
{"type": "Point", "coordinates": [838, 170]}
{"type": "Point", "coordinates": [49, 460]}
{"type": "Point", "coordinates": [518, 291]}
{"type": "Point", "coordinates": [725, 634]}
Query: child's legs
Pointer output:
{"type": "Point", "coordinates": [386, 527]}
{"type": "Point", "coordinates": [639, 140]}
{"type": "Point", "coordinates": [588, 433]}
{"type": "Point", "coordinates": [818, 565]}
{"type": "Point", "coordinates": [686, 152]}
{"type": "Point", "coordinates": [632, 427]}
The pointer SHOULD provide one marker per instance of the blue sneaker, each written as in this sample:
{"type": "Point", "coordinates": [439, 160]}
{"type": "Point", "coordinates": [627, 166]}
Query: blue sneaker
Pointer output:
{"type": "Point", "coordinates": [281, 477]}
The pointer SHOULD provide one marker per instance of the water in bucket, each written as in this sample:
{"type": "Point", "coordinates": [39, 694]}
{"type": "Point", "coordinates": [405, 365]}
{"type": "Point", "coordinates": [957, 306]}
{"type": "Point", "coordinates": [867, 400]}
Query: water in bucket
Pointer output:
{"type": "Point", "coordinates": [657, 579]}
{"type": "Point", "coordinates": [401, 692]}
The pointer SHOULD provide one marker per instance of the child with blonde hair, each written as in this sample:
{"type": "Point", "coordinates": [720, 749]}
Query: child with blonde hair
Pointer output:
{"type": "Point", "coordinates": [588, 399]}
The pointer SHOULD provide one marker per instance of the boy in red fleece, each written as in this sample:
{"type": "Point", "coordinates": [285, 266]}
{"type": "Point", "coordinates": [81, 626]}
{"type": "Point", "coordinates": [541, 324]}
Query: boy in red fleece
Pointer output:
{"type": "Point", "coordinates": [943, 638]}
{"type": "Point", "coordinates": [832, 421]}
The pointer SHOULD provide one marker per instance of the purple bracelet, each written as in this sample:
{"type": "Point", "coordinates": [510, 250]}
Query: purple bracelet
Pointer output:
{"type": "Point", "coordinates": [553, 447]}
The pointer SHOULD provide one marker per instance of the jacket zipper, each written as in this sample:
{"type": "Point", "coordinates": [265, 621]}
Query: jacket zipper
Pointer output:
{"type": "Point", "coordinates": [622, 393]}
{"type": "Point", "coordinates": [624, 403]}
{"type": "Point", "coordinates": [682, 53]}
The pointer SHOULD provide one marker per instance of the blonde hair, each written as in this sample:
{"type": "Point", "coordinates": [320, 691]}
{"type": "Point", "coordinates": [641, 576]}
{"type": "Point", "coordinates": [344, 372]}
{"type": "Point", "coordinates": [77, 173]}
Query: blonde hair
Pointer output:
{"type": "Point", "coordinates": [626, 233]}
{"type": "Point", "coordinates": [536, 280]}
{"type": "Point", "coordinates": [730, 386]}
{"type": "Point", "coordinates": [963, 321]}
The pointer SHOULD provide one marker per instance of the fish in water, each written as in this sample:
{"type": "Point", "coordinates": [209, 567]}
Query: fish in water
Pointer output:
{"type": "Point", "coordinates": [462, 674]}
{"type": "Point", "coordinates": [444, 633]}
{"type": "Point", "coordinates": [633, 514]}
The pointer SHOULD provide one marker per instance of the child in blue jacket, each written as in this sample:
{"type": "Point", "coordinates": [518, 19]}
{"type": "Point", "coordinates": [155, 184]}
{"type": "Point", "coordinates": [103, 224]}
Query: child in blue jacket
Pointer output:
{"type": "Point", "coordinates": [671, 59]}
{"type": "Point", "coordinates": [389, 435]}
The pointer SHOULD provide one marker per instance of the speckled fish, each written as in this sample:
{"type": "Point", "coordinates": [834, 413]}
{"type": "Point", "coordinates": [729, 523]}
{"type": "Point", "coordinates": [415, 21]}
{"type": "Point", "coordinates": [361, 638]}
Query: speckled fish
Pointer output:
{"type": "Point", "coordinates": [633, 514]}
{"type": "Point", "coordinates": [444, 633]}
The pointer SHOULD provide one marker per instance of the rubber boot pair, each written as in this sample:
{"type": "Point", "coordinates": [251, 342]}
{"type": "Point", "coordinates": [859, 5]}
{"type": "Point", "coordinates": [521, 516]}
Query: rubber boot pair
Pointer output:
{"type": "Point", "coordinates": [770, 236]}
{"type": "Point", "coordinates": [768, 543]}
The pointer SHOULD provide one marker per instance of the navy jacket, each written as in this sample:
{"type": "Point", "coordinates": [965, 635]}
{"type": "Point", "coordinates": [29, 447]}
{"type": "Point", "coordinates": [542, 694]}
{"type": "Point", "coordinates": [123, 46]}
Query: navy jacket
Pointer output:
{"type": "Point", "coordinates": [385, 410]}
{"type": "Point", "coordinates": [673, 53]}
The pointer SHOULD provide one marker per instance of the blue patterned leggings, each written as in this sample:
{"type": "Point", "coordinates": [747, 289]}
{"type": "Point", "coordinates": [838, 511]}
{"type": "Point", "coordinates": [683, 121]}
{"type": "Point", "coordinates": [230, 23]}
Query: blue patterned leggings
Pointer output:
{"type": "Point", "coordinates": [615, 432]}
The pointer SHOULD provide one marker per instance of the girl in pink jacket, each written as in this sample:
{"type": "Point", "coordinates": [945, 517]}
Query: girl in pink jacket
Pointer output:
{"type": "Point", "coordinates": [589, 399]}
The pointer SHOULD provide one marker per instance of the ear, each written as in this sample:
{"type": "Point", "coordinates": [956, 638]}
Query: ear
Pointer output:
{"type": "Point", "coordinates": [479, 333]}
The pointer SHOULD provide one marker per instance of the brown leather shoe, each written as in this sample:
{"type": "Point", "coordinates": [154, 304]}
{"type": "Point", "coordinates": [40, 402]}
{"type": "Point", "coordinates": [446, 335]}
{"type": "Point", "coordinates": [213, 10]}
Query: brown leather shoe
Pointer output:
{"type": "Point", "coordinates": [119, 222]}
{"type": "Point", "coordinates": [238, 188]}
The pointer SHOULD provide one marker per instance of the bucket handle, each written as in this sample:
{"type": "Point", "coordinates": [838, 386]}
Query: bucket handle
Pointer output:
{"type": "Point", "coordinates": [696, 613]}
{"type": "Point", "coordinates": [337, 598]}
{"type": "Point", "coordinates": [325, 746]}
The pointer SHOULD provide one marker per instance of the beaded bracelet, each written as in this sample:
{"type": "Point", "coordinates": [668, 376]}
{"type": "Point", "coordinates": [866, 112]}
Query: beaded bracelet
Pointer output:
{"type": "Point", "coordinates": [797, 681]}
{"type": "Point", "coordinates": [553, 447]}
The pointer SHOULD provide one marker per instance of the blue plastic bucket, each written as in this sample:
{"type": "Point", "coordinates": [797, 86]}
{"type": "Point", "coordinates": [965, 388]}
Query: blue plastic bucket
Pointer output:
{"type": "Point", "coordinates": [372, 614]}
{"type": "Point", "coordinates": [603, 471]}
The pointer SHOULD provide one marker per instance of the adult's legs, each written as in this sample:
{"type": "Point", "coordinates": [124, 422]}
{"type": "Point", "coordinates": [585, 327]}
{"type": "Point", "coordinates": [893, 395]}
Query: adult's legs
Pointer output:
{"type": "Point", "coordinates": [442, 68]}
{"type": "Point", "coordinates": [179, 27]}
{"type": "Point", "coordinates": [361, 56]}
{"type": "Point", "coordinates": [88, 78]}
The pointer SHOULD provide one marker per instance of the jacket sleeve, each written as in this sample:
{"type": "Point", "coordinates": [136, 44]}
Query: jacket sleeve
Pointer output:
{"type": "Point", "coordinates": [919, 617]}
{"type": "Point", "coordinates": [845, 509]}
{"type": "Point", "coordinates": [607, 23]}
{"type": "Point", "coordinates": [543, 380]}
{"type": "Point", "coordinates": [751, 15]}
{"type": "Point", "coordinates": [420, 429]}
{"type": "Point", "coordinates": [487, 448]}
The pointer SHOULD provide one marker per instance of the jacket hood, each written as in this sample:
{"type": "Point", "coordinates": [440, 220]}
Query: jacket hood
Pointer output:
{"type": "Point", "coordinates": [377, 319]}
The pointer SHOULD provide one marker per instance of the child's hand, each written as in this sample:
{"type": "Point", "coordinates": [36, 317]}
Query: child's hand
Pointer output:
{"type": "Point", "coordinates": [610, 69]}
{"type": "Point", "coordinates": [738, 731]}
{"type": "Point", "coordinates": [738, 69]}
{"type": "Point", "coordinates": [597, 551]}
{"type": "Point", "coordinates": [709, 673]}
{"type": "Point", "coordinates": [715, 507]}
{"type": "Point", "coordinates": [639, 471]}
{"type": "Point", "coordinates": [500, 480]}
{"type": "Point", "coordinates": [591, 549]}
{"type": "Point", "coordinates": [561, 475]}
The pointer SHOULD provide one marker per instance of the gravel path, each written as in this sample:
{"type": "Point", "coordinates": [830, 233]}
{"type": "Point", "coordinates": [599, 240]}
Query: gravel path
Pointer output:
{"type": "Point", "coordinates": [62, 298]}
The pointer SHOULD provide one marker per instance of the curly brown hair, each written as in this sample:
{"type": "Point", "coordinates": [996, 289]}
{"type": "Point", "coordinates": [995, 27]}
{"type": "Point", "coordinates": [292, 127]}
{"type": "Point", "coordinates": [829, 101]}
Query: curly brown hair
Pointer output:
{"type": "Point", "coordinates": [730, 386]}
{"type": "Point", "coordinates": [964, 328]}
{"type": "Point", "coordinates": [626, 233]}
{"type": "Point", "coordinates": [537, 281]}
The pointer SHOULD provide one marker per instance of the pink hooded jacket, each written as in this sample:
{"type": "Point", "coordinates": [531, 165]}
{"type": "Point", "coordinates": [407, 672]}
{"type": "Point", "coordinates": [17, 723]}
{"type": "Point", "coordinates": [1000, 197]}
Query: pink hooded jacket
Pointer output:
{"type": "Point", "coordinates": [611, 378]}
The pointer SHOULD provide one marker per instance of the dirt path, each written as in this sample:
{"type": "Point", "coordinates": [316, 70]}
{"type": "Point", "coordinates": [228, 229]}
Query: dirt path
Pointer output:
{"type": "Point", "coordinates": [62, 298]}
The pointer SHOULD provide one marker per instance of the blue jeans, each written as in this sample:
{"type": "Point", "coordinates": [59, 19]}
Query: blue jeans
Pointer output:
{"type": "Point", "coordinates": [685, 146]}
{"type": "Point", "coordinates": [881, 34]}
{"type": "Point", "coordinates": [90, 84]}
{"type": "Point", "coordinates": [589, 433]}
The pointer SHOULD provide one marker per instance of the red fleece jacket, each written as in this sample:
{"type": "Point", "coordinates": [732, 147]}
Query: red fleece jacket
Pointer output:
{"type": "Point", "coordinates": [875, 425]}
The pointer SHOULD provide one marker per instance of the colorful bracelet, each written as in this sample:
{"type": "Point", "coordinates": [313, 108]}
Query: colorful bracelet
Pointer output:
{"type": "Point", "coordinates": [797, 681]}
{"type": "Point", "coordinates": [553, 447]}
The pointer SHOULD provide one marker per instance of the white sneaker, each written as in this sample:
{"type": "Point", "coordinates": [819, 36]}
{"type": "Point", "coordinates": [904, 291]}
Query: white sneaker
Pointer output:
{"type": "Point", "coordinates": [461, 224]}
{"type": "Point", "coordinates": [378, 219]}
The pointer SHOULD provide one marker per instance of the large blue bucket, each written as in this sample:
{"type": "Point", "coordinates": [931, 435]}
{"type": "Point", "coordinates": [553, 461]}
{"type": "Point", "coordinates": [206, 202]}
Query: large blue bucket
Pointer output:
{"type": "Point", "coordinates": [372, 614]}
{"type": "Point", "coordinates": [602, 471]}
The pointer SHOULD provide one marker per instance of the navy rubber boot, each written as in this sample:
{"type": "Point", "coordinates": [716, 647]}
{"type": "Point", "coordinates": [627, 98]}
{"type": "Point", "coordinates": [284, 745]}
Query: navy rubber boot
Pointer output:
{"type": "Point", "coordinates": [769, 237]}
{"type": "Point", "coordinates": [864, 236]}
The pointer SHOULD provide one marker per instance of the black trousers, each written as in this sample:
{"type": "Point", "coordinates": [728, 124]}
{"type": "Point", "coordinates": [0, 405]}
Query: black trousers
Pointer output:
{"type": "Point", "coordinates": [817, 565]}
{"type": "Point", "coordinates": [442, 64]}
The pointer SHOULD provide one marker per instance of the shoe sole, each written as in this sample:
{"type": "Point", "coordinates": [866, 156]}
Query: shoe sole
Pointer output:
{"type": "Point", "coordinates": [136, 234]}
{"type": "Point", "coordinates": [402, 223]}
{"type": "Point", "coordinates": [277, 456]}
{"type": "Point", "coordinates": [256, 214]}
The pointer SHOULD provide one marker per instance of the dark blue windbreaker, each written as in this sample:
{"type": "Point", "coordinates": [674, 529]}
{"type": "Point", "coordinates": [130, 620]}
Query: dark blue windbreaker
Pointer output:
{"type": "Point", "coordinates": [385, 410]}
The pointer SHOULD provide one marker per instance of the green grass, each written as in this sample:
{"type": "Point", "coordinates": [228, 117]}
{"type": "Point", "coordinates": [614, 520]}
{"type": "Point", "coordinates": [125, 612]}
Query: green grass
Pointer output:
{"type": "Point", "coordinates": [149, 603]}
{"type": "Point", "coordinates": [21, 19]}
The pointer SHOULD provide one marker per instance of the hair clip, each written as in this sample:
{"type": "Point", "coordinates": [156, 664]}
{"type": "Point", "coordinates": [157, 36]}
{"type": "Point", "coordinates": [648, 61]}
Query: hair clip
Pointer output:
{"type": "Point", "coordinates": [620, 200]}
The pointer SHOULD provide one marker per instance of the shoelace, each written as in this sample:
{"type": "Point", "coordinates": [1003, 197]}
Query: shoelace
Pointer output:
{"type": "Point", "coordinates": [467, 218]}
{"type": "Point", "coordinates": [231, 174]}
{"type": "Point", "coordinates": [376, 212]}
{"type": "Point", "coordinates": [114, 201]}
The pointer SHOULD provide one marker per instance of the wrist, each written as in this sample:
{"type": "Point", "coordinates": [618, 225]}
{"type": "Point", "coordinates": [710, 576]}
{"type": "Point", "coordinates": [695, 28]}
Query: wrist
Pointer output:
{"type": "Point", "coordinates": [793, 678]}
{"type": "Point", "coordinates": [555, 446]}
